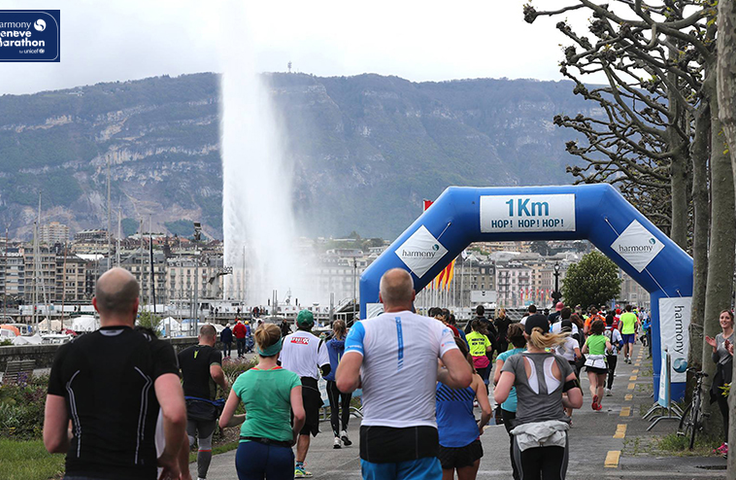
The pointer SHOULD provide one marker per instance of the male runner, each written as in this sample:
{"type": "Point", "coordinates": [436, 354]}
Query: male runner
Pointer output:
{"type": "Point", "coordinates": [398, 352]}
{"type": "Point", "coordinates": [201, 367]}
{"type": "Point", "coordinates": [110, 384]}
{"type": "Point", "coordinates": [629, 324]}
{"type": "Point", "coordinates": [304, 353]}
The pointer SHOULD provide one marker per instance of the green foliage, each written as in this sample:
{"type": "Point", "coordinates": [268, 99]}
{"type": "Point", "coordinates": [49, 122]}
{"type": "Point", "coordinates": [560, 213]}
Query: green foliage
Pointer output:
{"type": "Point", "coordinates": [679, 445]}
{"type": "Point", "coordinates": [28, 460]}
{"type": "Point", "coordinates": [149, 320]}
{"type": "Point", "coordinates": [22, 407]}
{"type": "Point", "coordinates": [593, 280]}
{"type": "Point", "coordinates": [182, 228]}
{"type": "Point", "coordinates": [129, 226]}
{"type": "Point", "coordinates": [6, 342]}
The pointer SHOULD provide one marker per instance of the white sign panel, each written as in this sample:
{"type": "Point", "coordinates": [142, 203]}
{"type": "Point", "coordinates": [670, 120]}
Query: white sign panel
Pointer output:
{"type": "Point", "coordinates": [674, 324]}
{"type": "Point", "coordinates": [421, 251]}
{"type": "Point", "coordinates": [637, 246]}
{"type": "Point", "coordinates": [482, 296]}
{"type": "Point", "coordinates": [527, 213]}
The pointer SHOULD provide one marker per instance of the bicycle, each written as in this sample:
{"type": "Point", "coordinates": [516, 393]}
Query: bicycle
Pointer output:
{"type": "Point", "coordinates": [692, 418]}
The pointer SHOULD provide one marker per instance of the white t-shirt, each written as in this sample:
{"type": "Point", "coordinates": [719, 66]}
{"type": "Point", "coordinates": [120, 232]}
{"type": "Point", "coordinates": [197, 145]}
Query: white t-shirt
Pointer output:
{"type": "Point", "coordinates": [615, 337]}
{"type": "Point", "coordinates": [567, 349]}
{"type": "Point", "coordinates": [557, 328]}
{"type": "Point", "coordinates": [303, 353]}
{"type": "Point", "coordinates": [399, 371]}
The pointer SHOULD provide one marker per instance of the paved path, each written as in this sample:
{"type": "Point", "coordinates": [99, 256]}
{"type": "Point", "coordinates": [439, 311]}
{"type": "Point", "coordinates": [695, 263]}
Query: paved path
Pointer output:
{"type": "Point", "coordinates": [595, 438]}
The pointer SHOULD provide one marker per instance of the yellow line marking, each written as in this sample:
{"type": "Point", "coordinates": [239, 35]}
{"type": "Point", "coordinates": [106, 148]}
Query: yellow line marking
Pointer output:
{"type": "Point", "coordinates": [612, 459]}
{"type": "Point", "coordinates": [632, 386]}
{"type": "Point", "coordinates": [625, 412]}
{"type": "Point", "coordinates": [635, 371]}
{"type": "Point", "coordinates": [637, 364]}
{"type": "Point", "coordinates": [620, 431]}
{"type": "Point", "coordinates": [632, 378]}
{"type": "Point", "coordinates": [628, 397]}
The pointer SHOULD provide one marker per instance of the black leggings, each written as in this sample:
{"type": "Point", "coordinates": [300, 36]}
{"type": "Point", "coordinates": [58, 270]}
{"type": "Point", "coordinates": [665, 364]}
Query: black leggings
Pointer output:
{"type": "Point", "coordinates": [337, 398]}
{"type": "Point", "coordinates": [507, 422]}
{"type": "Point", "coordinates": [548, 463]}
{"type": "Point", "coordinates": [612, 359]}
{"type": "Point", "coordinates": [723, 406]}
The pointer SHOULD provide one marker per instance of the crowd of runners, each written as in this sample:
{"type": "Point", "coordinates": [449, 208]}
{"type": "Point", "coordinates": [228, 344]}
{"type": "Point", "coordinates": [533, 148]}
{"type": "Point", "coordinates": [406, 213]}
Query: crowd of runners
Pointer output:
{"type": "Point", "coordinates": [425, 385]}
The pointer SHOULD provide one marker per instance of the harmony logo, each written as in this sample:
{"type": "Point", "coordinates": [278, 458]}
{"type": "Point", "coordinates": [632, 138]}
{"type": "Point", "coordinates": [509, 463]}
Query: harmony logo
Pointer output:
{"type": "Point", "coordinates": [421, 251]}
{"type": "Point", "coordinates": [637, 246]}
{"type": "Point", "coordinates": [40, 25]}
{"type": "Point", "coordinates": [30, 35]}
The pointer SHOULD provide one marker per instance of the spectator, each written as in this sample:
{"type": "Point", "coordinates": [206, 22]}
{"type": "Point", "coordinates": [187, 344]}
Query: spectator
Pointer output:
{"type": "Point", "coordinates": [239, 331]}
{"type": "Point", "coordinates": [226, 337]}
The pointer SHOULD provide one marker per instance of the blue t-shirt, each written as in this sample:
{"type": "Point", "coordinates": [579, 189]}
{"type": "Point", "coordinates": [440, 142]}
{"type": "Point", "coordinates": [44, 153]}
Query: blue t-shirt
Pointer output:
{"type": "Point", "coordinates": [510, 404]}
{"type": "Point", "coordinates": [335, 349]}
{"type": "Point", "coordinates": [455, 420]}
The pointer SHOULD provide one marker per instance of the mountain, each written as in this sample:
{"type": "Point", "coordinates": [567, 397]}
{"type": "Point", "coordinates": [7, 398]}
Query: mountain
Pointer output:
{"type": "Point", "coordinates": [365, 149]}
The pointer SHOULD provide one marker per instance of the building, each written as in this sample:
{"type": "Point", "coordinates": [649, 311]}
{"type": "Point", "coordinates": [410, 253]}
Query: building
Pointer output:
{"type": "Point", "coordinates": [53, 233]}
{"type": "Point", "coordinates": [40, 276]}
{"type": "Point", "coordinates": [72, 279]}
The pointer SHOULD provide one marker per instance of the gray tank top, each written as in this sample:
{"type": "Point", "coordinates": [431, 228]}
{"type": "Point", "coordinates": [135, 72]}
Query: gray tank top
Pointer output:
{"type": "Point", "coordinates": [539, 397]}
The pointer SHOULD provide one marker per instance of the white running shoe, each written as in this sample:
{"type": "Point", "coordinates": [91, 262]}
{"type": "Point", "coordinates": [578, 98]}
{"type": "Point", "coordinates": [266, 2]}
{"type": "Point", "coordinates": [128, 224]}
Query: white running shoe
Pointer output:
{"type": "Point", "coordinates": [608, 392]}
{"type": "Point", "coordinates": [337, 443]}
{"type": "Point", "coordinates": [345, 439]}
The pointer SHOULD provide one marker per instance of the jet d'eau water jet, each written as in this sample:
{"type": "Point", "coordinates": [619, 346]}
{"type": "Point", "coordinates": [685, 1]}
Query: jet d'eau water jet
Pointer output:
{"type": "Point", "coordinates": [260, 231]}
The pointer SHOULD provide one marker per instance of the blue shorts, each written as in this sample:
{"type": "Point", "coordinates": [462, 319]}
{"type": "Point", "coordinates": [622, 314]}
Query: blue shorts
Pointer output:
{"type": "Point", "coordinates": [628, 337]}
{"type": "Point", "coordinates": [427, 468]}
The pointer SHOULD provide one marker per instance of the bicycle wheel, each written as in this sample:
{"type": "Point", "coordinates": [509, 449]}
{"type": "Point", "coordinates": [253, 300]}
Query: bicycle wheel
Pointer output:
{"type": "Point", "coordinates": [695, 419]}
{"type": "Point", "coordinates": [683, 429]}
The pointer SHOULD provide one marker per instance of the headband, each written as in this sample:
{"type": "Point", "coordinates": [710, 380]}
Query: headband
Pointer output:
{"type": "Point", "coordinates": [272, 350]}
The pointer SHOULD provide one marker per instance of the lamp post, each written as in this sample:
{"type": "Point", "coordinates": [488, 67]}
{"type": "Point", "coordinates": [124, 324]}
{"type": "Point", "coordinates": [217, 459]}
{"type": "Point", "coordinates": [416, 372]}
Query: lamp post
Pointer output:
{"type": "Point", "coordinates": [197, 237]}
{"type": "Point", "coordinates": [556, 295]}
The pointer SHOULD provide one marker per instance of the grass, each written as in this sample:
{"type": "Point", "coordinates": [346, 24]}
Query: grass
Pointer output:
{"type": "Point", "coordinates": [28, 460]}
{"type": "Point", "coordinates": [678, 445]}
{"type": "Point", "coordinates": [216, 450]}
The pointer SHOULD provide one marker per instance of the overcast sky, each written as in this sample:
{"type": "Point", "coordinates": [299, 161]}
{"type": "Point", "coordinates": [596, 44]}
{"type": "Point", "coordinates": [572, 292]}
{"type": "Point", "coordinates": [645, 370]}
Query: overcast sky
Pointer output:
{"type": "Point", "coordinates": [107, 40]}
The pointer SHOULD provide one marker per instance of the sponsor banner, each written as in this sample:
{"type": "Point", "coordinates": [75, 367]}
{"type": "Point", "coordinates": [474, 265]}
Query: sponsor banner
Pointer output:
{"type": "Point", "coordinates": [421, 251]}
{"type": "Point", "coordinates": [527, 213]}
{"type": "Point", "coordinates": [674, 324]}
{"type": "Point", "coordinates": [30, 36]}
{"type": "Point", "coordinates": [663, 398]}
{"type": "Point", "coordinates": [637, 246]}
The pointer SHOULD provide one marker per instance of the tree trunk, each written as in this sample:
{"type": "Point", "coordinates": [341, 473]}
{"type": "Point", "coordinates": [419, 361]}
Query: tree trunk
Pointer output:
{"type": "Point", "coordinates": [701, 226]}
{"type": "Point", "coordinates": [726, 45]}
{"type": "Point", "coordinates": [679, 181]}
{"type": "Point", "coordinates": [722, 244]}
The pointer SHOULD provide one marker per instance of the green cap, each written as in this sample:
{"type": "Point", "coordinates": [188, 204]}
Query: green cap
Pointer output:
{"type": "Point", "coordinates": [305, 319]}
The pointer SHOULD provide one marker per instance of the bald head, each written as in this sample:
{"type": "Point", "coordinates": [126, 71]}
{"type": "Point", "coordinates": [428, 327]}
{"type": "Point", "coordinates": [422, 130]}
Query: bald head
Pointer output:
{"type": "Point", "coordinates": [116, 293]}
{"type": "Point", "coordinates": [397, 289]}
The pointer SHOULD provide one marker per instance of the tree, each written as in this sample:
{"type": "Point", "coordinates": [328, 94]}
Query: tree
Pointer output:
{"type": "Point", "coordinates": [149, 320]}
{"type": "Point", "coordinates": [593, 280]}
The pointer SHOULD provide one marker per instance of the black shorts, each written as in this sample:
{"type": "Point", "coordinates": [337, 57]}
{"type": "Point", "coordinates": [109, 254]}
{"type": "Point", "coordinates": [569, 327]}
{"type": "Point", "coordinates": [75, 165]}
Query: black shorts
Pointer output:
{"type": "Point", "coordinates": [599, 371]}
{"type": "Point", "coordinates": [460, 457]}
{"type": "Point", "coordinates": [312, 400]}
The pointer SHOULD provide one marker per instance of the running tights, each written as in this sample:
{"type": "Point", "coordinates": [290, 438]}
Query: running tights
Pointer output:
{"type": "Point", "coordinates": [338, 402]}
{"type": "Point", "coordinates": [548, 463]}
{"type": "Point", "coordinates": [612, 359]}
{"type": "Point", "coordinates": [256, 461]}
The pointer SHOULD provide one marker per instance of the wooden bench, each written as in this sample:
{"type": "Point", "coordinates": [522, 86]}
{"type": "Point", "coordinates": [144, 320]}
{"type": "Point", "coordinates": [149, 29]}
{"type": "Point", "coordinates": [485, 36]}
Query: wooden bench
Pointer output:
{"type": "Point", "coordinates": [18, 370]}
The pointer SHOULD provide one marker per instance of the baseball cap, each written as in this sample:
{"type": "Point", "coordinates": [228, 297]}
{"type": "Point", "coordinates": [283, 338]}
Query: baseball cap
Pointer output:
{"type": "Point", "coordinates": [559, 306]}
{"type": "Point", "coordinates": [305, 319]}
{"type": "Point", "coordinates": [537, 320]}
{"type": "Point", "coordinates": [566, 326]}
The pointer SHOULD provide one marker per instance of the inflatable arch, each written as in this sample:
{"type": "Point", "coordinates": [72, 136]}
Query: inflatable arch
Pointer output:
{"type": "Point", "coordinates": [598, 213]}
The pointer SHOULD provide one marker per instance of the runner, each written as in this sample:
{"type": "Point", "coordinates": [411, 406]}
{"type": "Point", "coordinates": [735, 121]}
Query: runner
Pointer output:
{"type": "Point", "coordinates": [615, 339]}
{"type": "Point", "coordinates": [460, 447]}
{"type": "Point", "coordinates": [540, 434]}
{"type": "Point", "coordinates": [305, 354]}
{"type": "Point", "coordinates": [395, 356]}
{"type": "Point", "coordinates": [480, 347]}
{"type": "Point", "coordinates": [338, 400]}
{"type": "Point", "coordinates": [201, 367]}
{"type": "Point", "coordinates": [508, 407]}
{"type": "Point", "coordinates": [596, 346]}
{"type": "Point", "coordinates": [629, 325]}
{"type": "Point", "coordinates": [502, 326]}
{"type": "Point", "coordinates": [270, 394]}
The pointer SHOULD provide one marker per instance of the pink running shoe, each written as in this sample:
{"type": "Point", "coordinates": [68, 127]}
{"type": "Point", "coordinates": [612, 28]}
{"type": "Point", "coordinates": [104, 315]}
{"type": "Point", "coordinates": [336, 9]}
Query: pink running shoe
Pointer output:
{"type": "Point", "coordinates": [722, 450]}
{"type": "Point", "coordinates": [595, 405]}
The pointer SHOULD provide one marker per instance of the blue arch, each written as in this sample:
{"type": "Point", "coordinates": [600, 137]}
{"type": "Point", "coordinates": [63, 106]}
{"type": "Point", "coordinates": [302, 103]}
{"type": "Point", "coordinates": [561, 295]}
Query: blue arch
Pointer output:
{"type": "Point", "coordinates": [598, 213]}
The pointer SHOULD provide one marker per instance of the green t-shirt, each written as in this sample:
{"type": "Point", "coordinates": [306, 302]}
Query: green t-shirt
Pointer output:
{"type": "Point", "coordinates": [596, 344]}
{"type": "Point", "coordinates": [477, 343]}
{"type": "Point", "coordinates": [266, 395]}
{"type": "Point", "coordinates": [628, 321]}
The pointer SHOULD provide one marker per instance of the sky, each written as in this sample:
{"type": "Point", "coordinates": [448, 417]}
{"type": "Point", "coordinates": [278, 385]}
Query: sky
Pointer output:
{"type": "Point", "coordinates": [109, 40]}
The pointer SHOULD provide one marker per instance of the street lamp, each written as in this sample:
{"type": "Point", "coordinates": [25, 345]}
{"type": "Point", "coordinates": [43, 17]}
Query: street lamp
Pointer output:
{"type": "Point", "coordinates": [556, 295]}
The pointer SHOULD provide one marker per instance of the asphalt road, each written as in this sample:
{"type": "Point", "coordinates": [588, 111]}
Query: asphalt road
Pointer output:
{"type": "Point", "coordinates": [595, 438]}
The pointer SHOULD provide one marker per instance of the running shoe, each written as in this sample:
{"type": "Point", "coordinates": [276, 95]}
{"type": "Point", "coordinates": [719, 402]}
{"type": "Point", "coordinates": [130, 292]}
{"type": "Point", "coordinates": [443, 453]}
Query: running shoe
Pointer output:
{"type": "Point", "coordinates": [722, 450]}
{"type": "Point", "coordinates": [599, 407]}
{"type": "Point", "coordinates": [337, 443]}
{"type": "Point", "coordinates": [299, 472]}
{"type": "Point", "coordinates": [594, 406]}
{"type": "Point", "coordinates": [345, 439]}
{"type": "Point", "coordinates": [608, 392]}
